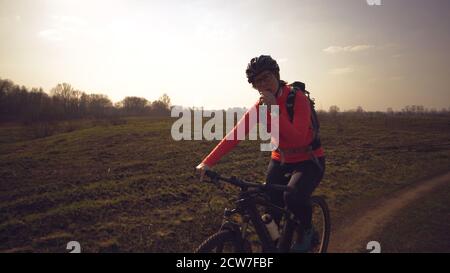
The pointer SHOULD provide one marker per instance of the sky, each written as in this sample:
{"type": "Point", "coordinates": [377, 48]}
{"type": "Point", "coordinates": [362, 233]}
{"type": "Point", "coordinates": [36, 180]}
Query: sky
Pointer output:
{"type": "Point", "coordinates": [348, 53]}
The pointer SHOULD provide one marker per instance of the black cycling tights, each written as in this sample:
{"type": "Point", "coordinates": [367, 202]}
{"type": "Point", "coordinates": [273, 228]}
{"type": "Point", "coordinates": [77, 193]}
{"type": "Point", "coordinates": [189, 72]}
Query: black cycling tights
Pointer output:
{"type": "Point", "coordinates": [306, 176]}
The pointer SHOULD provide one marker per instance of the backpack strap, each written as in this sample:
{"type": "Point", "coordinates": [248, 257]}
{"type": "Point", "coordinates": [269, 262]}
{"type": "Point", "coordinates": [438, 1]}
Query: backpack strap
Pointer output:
{"type": "Point", "coordinates": [290, 103]}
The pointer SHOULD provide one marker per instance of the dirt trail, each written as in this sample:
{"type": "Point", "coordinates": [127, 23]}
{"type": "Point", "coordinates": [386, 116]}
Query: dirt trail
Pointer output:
{"type": "Point", "coordinates": [354, 233]}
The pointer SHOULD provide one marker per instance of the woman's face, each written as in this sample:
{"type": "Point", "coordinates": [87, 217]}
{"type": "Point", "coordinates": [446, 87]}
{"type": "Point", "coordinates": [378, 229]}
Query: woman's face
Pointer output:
{"type": "Point", "coordinates": [266, 81]}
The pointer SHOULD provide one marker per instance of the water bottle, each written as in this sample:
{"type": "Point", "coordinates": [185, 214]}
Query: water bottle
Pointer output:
{"type": "Point", "coordinates": [271, 226]}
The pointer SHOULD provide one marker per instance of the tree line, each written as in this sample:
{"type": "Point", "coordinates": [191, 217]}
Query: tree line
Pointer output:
{"type": "Point", "coordinates": [407, 110]}
{"type": "Point", "coordinates": [17, 103]}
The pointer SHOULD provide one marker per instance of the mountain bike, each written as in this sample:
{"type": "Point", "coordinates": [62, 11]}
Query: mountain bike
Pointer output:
{"type": "Point", "coordinates": [234, 233]}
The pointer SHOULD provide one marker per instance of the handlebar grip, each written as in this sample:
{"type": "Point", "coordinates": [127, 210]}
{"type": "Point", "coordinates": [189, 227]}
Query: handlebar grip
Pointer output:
{"type": "Point", "coordinates": [211, 174]}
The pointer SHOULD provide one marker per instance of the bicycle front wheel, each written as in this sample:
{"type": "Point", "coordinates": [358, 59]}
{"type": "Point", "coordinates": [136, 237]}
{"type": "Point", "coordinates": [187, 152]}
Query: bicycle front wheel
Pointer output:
{"type": "Point", "coordinates": [225, 241]}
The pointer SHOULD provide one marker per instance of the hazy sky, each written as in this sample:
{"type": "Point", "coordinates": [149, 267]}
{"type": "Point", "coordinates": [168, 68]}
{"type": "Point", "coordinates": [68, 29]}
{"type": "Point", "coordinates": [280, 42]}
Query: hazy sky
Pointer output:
{"type": "Point", "coordinates": [349, 53]}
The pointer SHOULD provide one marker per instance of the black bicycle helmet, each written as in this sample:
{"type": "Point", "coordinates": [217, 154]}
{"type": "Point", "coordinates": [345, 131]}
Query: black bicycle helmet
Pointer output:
{"type": "Point", "coordinates": [260, 64]}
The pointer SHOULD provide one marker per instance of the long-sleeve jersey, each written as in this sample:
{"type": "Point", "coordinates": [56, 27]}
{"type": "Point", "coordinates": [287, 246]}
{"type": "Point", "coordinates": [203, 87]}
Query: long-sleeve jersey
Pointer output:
{"type": "Point", "coordinates": [295, 135]}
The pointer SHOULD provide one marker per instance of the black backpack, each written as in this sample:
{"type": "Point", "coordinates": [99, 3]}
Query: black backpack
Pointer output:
{"type": "Point", "coordinates": [290, 102]}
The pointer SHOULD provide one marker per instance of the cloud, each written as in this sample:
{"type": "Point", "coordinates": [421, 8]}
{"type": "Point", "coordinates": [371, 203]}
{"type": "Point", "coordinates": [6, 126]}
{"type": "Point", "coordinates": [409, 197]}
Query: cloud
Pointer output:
{"type": "Point", "coordinates": [69, 20]}
{"type": "Point", "coordinates": [396, 78]}
{"type": "Point", "coordinates": [214, 33]}
{"type": "Point", "coordinates": [51, 34]}
{"type": "Point", "coordinates": [398, 55]}
{"type": "Point", "coordinates": [63, 27]}
{"type": "Point", "coordinates": [210, 28]}
{"type": "Point", "coordinates": [10, 19]}
{"type": "Point", "coordinates": [340, 49]}
{"type": "Point", "coordinates": [341, 71]}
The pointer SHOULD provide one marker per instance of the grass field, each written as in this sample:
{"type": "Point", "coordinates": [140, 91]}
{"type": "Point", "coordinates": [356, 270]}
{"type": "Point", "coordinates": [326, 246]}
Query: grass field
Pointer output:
{"type": "Point", "coordinates": [125, 186]}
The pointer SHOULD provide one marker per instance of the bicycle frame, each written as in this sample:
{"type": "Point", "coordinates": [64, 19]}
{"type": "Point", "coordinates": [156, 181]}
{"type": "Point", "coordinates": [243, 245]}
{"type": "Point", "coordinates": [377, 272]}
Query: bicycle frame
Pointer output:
{"type": "Point", "coordinates": [246, 207]}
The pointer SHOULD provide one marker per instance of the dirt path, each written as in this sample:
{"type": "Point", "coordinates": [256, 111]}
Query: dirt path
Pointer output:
{"type": "Point", "coordinates": [354, 233]}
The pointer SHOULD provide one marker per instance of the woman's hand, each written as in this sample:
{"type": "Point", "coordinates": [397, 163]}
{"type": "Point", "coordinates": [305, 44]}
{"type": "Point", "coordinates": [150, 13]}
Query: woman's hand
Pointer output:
{"type": "Point", "coordinates": [268, 98]}
{"type": "Point", "coordinates": [201, 169]}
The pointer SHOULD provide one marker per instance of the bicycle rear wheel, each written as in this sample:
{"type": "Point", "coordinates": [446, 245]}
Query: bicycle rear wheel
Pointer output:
{"type": "Point", "coordinates": [225, 241]}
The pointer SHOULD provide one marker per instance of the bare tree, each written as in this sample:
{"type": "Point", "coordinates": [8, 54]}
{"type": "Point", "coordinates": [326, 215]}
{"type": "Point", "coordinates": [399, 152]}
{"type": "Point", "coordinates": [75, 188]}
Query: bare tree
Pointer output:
{"type": "Point", "coordinates": [334, 109]}
{"type": "Point", "coordinates": [134, 105]}
{"type": "Point", "coordinates": [65, 102]}
{"type": "Point", "coordinates": [165, 100]}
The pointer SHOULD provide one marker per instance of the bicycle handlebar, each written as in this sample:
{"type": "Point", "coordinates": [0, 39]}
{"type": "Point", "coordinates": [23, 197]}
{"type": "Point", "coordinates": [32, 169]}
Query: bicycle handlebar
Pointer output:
{"type": "Point", "coordinates": [215, 177]}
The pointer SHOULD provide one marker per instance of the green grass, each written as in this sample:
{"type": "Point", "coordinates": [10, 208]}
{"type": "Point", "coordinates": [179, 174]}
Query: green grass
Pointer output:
{"type": "Point", "coordinates": [126, 186]}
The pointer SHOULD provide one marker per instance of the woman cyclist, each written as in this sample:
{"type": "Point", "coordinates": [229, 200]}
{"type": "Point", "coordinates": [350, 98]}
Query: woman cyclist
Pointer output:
{"type": "Point", "coordinates": [293, 155]}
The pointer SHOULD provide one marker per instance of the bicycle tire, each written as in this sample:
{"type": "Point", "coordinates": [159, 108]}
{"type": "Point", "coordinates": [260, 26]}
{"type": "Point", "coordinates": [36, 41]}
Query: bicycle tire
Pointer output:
{"type": "Point", "coordinates": [217, 240]}
{"type": "Point", "coordinates": [320, 201]}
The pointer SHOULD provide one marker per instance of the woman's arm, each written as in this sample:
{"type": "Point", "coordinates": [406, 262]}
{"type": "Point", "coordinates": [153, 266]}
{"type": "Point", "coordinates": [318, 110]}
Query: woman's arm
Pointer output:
{"type": "Point", "coordinates": [231, 139]}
